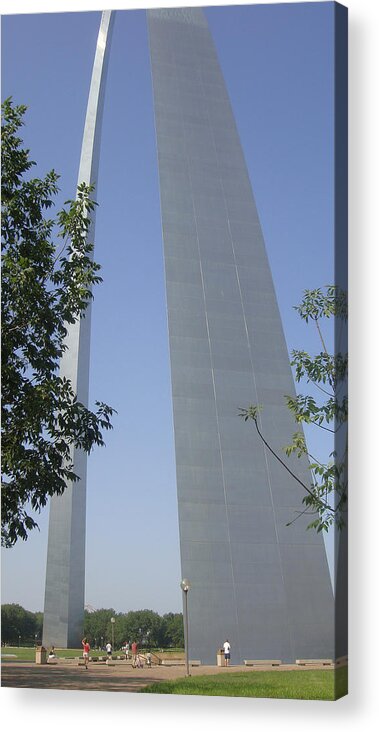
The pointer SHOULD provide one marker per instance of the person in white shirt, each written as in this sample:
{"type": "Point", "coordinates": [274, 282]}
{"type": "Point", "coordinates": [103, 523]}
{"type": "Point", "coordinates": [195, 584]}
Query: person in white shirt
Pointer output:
{"type": "Point", "coordinates": [227, 652]}
{"type": "Point", "coordinates": [108, 649]}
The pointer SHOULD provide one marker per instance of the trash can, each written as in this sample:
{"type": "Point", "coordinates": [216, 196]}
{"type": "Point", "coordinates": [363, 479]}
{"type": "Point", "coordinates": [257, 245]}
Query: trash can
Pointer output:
{"type": "Point", "coordinates": [41, 655]}
{"type": "Point", "coordinates": [221, 657]}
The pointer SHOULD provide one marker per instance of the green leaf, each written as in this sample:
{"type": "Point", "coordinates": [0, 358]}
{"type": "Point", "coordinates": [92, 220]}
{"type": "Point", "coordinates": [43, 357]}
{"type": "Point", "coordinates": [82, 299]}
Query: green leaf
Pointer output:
{"type": "Point", "coordinates": [44, 287]}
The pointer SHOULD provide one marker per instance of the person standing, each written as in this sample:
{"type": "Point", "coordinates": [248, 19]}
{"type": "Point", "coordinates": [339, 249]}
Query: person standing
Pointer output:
{"type": "Point", "coordinates": [127, 646]}
{"type": "Point", "coordinates": [108, 649]}
{"type": "Point", "coordinates": [227, 652]}
{"type": "Point", "coordinates": [134, 653]}
{"type": "Point", "coordinates": [86, 650]}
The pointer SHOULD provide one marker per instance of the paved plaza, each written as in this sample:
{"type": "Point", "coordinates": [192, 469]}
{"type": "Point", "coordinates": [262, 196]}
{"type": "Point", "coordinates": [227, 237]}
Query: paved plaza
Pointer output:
{"type": "Point", "coordinates": [120, 677]}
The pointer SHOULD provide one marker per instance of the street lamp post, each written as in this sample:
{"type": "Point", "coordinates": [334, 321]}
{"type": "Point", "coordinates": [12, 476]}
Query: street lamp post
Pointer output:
{"type": "Point", "coordinates": [113, 620]}
{"type": "Point", "coordinates": [186, 585]}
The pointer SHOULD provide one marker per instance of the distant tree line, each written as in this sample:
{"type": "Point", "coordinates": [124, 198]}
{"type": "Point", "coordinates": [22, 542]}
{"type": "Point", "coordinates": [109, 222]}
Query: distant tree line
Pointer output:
{"type": "Point", "coordinates": [19, 626]}
{"type": "Point", "coordinates": [148, 628]}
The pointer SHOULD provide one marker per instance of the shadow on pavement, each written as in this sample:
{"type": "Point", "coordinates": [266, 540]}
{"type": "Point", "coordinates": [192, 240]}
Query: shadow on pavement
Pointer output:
{"type": "Point", "coordinates": [61, 677]}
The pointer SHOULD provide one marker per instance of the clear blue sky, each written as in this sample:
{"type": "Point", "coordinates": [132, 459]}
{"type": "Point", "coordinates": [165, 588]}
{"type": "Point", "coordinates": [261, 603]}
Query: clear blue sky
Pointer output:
{"type": "Point", "coordinates": [278, 66]}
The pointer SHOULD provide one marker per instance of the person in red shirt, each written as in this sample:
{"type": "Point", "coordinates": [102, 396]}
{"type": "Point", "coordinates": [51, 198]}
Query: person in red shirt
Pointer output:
{"type": "Point", "coordinates": [134, 653]}
{"type": "Point", "coordinates": [86, 650]}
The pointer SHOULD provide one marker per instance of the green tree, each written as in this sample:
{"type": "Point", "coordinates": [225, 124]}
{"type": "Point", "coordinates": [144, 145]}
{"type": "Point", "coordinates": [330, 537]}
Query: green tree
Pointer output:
{"type": "Point", "coordinates": [326, 373]}
{"type": "Point", "coordinates": [97, 625]}
{"type": "Point", "coordinates": [47, 279]}
{"type": "Point", "coordinates": [38, 625]}
{"type": "Point", "coordinates": [143, 626]}
{"type": "Point", "coordinates": [17, 624]}
{"type": "Point", "coordinates": [173, 630]}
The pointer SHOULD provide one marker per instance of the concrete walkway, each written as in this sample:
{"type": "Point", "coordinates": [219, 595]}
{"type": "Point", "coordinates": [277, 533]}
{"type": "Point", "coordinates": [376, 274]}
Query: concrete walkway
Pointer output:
{"type": "Point", "coordinates": [107, 678]}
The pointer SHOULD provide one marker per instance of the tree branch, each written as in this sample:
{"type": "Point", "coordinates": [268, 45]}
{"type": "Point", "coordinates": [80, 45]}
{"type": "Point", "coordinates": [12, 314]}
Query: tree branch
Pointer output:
{"type": "Point", "coordinates": [324, 505]}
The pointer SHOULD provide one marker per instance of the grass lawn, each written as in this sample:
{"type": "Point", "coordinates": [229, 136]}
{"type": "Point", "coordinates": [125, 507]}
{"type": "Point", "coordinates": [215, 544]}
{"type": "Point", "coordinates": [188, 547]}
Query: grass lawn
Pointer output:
{"type": "Point", "coordinates": [14, 653]}
{"type": "Point", "coordinates": [325, 685]}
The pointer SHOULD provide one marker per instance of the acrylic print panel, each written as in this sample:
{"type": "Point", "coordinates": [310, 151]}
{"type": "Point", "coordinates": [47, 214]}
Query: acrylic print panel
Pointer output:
{"type": "Point", "coordinates": [222, 205]}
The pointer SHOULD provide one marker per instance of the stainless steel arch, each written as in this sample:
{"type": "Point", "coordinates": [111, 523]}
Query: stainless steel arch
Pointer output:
{"type": "Point", "coordinates": [263, 585]}
{"type": "Point", "coordinates": [254, 580]}
{"type": "Point", "coordinates": [65, 571]}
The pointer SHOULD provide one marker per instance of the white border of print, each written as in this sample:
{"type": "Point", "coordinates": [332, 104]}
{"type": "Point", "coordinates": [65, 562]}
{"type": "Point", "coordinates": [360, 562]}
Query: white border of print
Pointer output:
{"type": "Point", "coordinates": [33, 709]}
